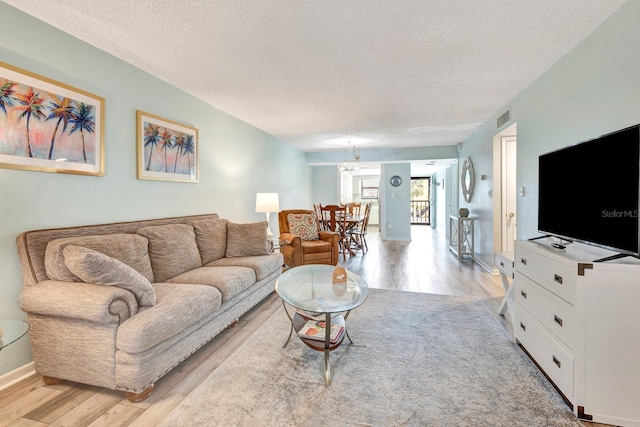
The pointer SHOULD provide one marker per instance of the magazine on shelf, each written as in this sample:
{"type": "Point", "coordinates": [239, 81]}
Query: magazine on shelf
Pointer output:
{"type": "Point", "coordinates": [315, 330]}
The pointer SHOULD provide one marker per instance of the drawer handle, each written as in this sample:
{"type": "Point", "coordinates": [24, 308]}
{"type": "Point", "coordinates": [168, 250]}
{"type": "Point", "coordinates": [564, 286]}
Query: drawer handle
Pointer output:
{"type": "Point", "coordinates": [557, 278]}
{"type": "Point", "coordinates": [501, 263]}
{"type": "Point", "coordinates": [523, 260]}
{"type": "Point", "coordinates": [524, 328]}
{"type": "Point", "coordinates": [557, 362]}
{"type": "Point", "coordinates": [524, 294]}
{"type": "Point", "coordinates": [557, 320]}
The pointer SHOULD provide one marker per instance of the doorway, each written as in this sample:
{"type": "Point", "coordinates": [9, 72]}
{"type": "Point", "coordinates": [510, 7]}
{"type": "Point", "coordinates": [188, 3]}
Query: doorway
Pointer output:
{"type": "Point", "coordinates": [421, 200]}
{"type": "Point", "coordinates": [505, 190]}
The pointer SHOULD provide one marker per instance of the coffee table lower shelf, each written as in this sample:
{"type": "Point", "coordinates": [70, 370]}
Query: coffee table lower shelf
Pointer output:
{"type": "Point", "coordinates": [319, 345]}
{"type": "Point", "coordinates": [297, 323]}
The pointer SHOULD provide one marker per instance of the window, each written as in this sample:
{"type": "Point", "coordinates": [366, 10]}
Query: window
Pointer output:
{"type": "Point", "coordinates": [369, 188]}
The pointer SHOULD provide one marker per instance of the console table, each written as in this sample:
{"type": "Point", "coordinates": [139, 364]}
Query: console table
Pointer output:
{"type": "Point", "coordinates": [461, 238]}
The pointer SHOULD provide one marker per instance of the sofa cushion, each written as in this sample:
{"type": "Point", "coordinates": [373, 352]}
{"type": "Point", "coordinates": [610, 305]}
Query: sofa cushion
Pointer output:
{"type": "Point", "coordinates": [246, 239]}
{"type": "Point", "coordinates": [211, 237]}
{"type": "Point", "coordinates": [130, 249]}
{"type": "Point", "coordinates": [303, 225]}
{"type": "Point", "coordinates": [263, 266]}
{"type": "Point", "coordinates": [177, 308]}
{"type": "Point", "coordinates": [99, 269]}
{"type": "Point", "coordinates": [230, 281]}
{"type": "Point", "coordinates": [172, 250]}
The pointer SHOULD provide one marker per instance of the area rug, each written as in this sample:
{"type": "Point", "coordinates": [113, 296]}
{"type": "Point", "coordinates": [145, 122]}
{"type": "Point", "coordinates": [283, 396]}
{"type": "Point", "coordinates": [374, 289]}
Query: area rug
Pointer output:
{"type": "Point", "coordinates": [416, 360]}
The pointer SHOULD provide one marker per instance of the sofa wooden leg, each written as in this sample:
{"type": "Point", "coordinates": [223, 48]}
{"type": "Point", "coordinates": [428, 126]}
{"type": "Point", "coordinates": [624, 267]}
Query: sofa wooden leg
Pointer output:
{"type": "Point", "coordinates": [235, 322]}
{"type": "Point", "coordinates": [51, 380]}
{"type": "Point", "coordinates": [137, 397]}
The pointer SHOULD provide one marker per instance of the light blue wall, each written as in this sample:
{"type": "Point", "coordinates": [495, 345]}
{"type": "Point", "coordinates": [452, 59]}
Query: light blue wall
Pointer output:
{"type": "Point", "coordinates": [236, 159]}
{"type": "Point", "coordinates": [395, 220]}
{"type": "Point", "coordinates": [592, 90]}
{"type": "Point", "coordinates": [325, 185]}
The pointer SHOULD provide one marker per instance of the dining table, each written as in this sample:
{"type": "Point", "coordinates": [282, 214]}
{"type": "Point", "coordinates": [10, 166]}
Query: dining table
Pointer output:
{"type": "Point", "coordinates": [351, 222]}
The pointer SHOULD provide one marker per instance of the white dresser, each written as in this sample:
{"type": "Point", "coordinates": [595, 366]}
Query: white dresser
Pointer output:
{"type": "Point", "coordinates": [579, 320]}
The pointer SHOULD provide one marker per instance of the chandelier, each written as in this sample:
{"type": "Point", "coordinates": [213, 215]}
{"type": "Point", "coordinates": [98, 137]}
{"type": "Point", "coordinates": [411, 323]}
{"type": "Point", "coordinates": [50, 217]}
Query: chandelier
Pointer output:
{"type": "Point", "coordinates": [351, 165]}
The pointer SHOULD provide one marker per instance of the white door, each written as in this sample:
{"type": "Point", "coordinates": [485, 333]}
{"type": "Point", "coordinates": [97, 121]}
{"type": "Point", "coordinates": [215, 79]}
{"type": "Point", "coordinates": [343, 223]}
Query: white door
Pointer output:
{"type": "Point", "coordinates": [509, 192]}
{"type": "Point", "coordinates": [346, 187]}
{"type": "Point", "coordinates": [452, 194]}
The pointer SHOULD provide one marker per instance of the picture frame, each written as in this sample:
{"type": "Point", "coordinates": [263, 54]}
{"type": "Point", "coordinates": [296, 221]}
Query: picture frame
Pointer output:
{"type": "Point", "coordinates": [166, 150]}
{"type": "Point", "coordinates": [49, 126]}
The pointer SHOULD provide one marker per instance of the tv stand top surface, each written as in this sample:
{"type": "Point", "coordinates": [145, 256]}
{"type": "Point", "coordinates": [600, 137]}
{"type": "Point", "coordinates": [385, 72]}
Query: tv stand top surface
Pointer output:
{"type": "Point", "coordinates": [580, 252]}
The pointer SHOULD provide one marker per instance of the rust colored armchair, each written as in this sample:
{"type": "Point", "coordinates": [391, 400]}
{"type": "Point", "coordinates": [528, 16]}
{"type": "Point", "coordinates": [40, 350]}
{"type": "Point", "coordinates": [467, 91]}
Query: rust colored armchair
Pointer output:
{"type": "Point", "coordinates": [300, 244]}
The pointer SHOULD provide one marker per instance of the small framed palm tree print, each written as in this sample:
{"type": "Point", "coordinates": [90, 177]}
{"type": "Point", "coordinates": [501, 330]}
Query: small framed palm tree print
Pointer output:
{"type": "Point", "coordinates": [167, 150]}
{"type": "Point", "coordinates": [48, 126]}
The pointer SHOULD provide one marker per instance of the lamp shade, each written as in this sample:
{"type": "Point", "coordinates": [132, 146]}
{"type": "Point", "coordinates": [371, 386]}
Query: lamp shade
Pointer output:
{"type": "Point", "coordinates": [267, 202]}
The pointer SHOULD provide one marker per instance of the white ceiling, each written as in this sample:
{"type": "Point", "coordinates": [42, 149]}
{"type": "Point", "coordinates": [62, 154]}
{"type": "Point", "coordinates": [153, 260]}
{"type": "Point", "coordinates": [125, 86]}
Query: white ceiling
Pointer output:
{"type": "Point", "coordinates": [319, 73]}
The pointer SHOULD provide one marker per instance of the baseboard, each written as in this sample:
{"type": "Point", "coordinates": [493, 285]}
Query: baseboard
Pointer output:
{"type": "Point", "coordinates": [10, 378]}
{"type": "Point", "coordinates": [487, 267]}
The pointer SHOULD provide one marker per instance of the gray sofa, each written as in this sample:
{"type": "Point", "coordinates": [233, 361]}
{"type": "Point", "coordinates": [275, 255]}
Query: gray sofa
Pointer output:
{"type": "Point", "coordinates": [119, 305]}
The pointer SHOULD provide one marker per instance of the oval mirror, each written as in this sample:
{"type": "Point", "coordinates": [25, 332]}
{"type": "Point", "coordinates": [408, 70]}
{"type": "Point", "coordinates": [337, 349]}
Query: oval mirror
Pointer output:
{"type": "Point", "coordinates": [467, 179]}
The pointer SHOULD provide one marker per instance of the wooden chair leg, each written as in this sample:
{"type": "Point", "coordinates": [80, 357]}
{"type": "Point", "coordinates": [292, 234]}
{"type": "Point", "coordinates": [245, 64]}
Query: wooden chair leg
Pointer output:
{"type": "Point", "coordinates": [345, 247]}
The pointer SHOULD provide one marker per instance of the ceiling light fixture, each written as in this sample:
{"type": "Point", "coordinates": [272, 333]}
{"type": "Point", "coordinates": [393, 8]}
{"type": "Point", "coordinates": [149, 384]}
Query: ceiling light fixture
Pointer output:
{"type": "Point", "coordinates": [351, 165]}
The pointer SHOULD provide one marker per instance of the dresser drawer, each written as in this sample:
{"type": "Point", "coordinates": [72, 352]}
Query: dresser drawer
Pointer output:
{"type": "Point", "coordinates": [555, 359]}
{"type": "Point", "coordinates": [558, 278]}
{"type": "Point", "coordinates": [503, 263]}
{"type": "Point", "coordinates": [552, 312]}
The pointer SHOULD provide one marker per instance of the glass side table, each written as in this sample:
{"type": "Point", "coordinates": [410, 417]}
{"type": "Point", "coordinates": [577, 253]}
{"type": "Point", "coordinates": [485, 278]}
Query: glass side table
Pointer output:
{"type": "Point", "coordinates": [11, 330]}
{"type": "Point", "coordinates": [325, 291]}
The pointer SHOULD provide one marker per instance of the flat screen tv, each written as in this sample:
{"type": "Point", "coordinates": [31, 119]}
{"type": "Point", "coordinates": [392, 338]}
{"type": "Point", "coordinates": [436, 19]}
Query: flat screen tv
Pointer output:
{"type": "Point", "coordinates": [588, 192]}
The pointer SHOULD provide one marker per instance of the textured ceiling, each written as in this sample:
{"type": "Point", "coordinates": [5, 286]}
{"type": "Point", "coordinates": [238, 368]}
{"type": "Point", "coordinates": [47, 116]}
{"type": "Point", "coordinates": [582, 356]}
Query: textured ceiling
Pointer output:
{"type": "Point", "coordinates": [318, 73]}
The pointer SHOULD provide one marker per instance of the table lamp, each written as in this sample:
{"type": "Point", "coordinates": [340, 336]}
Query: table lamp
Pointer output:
{"type": "Point", "coordinates": [267, 203]}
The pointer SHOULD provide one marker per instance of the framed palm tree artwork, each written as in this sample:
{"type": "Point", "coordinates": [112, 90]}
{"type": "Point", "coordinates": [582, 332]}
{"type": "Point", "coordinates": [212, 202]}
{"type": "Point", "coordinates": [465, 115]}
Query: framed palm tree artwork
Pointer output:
{"type": "Point", "coordinates": [48, 126]}
{"type": "Point", "coordinates": [167, 150]}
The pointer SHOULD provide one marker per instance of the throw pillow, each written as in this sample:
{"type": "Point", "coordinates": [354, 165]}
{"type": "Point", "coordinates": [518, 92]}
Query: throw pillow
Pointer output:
{"type": "Point", "coordinates": [247, 239]}
{"type": "Point", "coordinates": [303, 225]}
{"type": "Point", "coordinates": [172, 250]}
{"type": "Point", "coordinates": [99, 269]}
{"type": "Point", "coordinates": [131, 249]}
{"type": "Point", "coordinates": [211, 237]}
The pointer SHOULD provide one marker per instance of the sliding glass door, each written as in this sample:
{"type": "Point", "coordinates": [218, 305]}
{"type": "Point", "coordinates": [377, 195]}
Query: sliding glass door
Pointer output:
{"type": "Point", "coordinates": [420, 200]}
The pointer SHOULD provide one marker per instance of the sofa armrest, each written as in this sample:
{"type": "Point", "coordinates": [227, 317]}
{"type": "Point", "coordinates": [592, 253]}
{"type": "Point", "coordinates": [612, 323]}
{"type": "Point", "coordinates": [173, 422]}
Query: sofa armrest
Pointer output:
{"type": "Point", "coordinates": [290, 239]}
{"type": "Point", "coordinates": [75, 300]}
{"type": "Point", "coordinates": [329, 236]}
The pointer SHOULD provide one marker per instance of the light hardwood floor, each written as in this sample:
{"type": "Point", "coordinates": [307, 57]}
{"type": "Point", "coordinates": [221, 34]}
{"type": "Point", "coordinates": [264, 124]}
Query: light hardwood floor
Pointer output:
{"type": "Point", "coordinates": [422, 265]}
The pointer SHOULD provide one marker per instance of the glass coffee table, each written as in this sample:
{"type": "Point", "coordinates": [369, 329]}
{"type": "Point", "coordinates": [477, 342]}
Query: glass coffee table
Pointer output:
{"type": "Point", "coordinates": [321, 293]}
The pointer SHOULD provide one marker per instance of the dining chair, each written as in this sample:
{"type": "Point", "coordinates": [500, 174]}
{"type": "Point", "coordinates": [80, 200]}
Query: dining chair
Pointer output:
{"type": "Point", "coordinates": [353, 208]}
{"type": "Point", "coordinates": [321, 220]}
{"type": "Point", "coordinates": [358, 235]}
{"type": "Point", "coordinates": [337, 222]}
